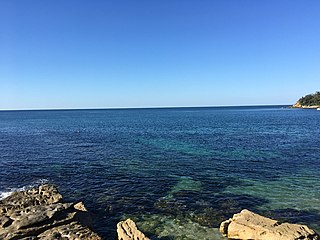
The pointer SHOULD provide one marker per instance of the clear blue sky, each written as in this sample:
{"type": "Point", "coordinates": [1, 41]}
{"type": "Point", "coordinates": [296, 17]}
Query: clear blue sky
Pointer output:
{"type": "Point", "coordinates": [93, 54]}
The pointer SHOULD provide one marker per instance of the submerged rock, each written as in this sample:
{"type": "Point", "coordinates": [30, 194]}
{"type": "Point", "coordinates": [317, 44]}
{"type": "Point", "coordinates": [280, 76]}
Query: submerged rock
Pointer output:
{"type": "Point", "coordinates": [40, 213]}
{"type": "Point", "coordinates": [249, 225]}
{"type": "Point", "coordinates": [128, 230]}
{"type": "Point", "coordinates": [165, 227]}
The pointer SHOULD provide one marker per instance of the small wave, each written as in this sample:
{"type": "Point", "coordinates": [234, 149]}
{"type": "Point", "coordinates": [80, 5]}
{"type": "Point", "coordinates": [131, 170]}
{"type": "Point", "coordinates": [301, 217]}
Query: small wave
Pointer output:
{"type": "Point", "coordinates": [6, 193]}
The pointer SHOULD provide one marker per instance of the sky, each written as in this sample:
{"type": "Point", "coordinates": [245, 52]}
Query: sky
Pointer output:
{"type": "Point", "coordinates": [148, 53]}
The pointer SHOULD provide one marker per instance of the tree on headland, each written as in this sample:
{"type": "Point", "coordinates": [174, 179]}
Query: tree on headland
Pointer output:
{"type": "Point", "coordinates": [310, 99]}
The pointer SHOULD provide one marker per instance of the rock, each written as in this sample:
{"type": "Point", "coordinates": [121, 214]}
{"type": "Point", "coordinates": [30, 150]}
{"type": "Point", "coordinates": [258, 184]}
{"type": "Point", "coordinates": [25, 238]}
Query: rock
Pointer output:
{"type": "Point", "coordinates": [249, 225]}
{"type": "Point", "coordinates": [73, 230]}
{"type": "Point", "coordinates": [128, 230]}
{"type": "Point", "coordinates": [43, 195]}
{"type": "Point", "coordinates": [298, 105]}
{"type": "Point", "coordinates": [40, 213]}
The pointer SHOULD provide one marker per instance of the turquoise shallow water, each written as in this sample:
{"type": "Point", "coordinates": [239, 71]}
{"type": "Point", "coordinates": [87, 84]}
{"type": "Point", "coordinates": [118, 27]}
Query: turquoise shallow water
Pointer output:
{"type": "Point", "coordinates": [178, 172]}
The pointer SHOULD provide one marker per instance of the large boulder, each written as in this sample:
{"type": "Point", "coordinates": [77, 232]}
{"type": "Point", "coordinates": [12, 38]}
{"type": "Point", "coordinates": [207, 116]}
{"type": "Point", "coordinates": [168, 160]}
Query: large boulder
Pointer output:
{"type": "Point", "coordinates": [249, 225]}
{"type": "Point", "coordinates": [40, 213]}
{"type": "Point", "coordinates": [127, 230]}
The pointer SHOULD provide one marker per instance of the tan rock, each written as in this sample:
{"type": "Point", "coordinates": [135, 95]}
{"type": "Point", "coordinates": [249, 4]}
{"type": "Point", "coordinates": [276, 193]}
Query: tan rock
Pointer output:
{"type": "Point", "coordinates": [80, 206]}
{"type": "Point", "coordinates": [40, 213]}
{"type": "Point", "coordinates": [43, 195]}
{"type": "Point", "coordinates": [72, 231]}
{"type": "Point", "coordinates": [298, 105]}
{"type": "Point", "coordinates": [127, 230]}
{"type": "Point", "coordinates": [248, 225]}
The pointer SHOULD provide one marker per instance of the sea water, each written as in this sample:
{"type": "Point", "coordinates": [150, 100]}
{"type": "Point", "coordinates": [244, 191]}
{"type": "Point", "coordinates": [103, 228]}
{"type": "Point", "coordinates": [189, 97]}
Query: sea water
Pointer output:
{"type": "Point", "coordinates": [178, 172]}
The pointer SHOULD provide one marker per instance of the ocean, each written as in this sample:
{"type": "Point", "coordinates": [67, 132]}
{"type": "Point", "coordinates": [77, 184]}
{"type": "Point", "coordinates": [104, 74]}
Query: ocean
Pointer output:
{"type": "Point", "coordinates": [177, 172]}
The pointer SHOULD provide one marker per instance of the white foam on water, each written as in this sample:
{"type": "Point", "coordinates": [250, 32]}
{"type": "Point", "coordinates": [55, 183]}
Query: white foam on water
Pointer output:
{"type": "Point", "coordinates": [6, 193]}
{"type": "Point", "coordinates": [3, 195]}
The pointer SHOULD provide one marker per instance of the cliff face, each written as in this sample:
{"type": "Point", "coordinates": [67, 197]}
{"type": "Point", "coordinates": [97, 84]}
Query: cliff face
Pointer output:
{"type": "Point", "coordinates": [40, 213]}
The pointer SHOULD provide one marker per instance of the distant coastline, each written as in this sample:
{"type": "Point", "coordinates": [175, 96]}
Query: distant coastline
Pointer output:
{"type": "Point", "coordinates": [150, 108]}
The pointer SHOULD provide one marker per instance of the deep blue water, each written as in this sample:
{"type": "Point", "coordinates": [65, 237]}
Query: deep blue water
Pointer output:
{"type": "Point", "coordinates": [168, 168]}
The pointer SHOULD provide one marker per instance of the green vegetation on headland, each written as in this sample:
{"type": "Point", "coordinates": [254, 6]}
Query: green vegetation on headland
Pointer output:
{"type": "Point", "coordinates": [309, 101]}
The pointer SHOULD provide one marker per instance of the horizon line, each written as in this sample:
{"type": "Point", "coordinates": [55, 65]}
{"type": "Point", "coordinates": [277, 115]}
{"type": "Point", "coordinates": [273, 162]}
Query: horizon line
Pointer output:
{"type": "Point", "coordinates": [146, 107]}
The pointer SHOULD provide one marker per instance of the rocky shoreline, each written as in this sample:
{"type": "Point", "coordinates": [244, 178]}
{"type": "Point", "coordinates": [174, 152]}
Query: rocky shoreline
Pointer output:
{"type": "Point", "coordinates": [41, 213]}
{"type": "Point", "coordinates": [298, 105]}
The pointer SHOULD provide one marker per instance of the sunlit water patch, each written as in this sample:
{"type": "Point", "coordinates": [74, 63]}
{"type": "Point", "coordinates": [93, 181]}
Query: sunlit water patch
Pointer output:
{"type": "Point", "coordinates": [185, 183]}
{"type": "Point", "coordinates": [164, 227]}
{"type": "Point", "coordinates": [287, 195]}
